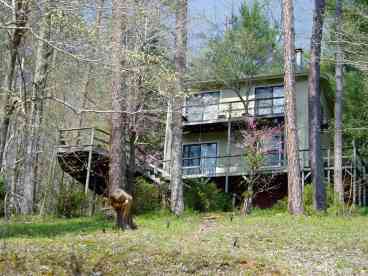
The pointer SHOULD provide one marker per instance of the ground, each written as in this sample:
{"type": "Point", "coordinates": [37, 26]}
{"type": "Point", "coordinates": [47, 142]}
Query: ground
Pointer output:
{"type": "Point", "coordinates": [212, 244]}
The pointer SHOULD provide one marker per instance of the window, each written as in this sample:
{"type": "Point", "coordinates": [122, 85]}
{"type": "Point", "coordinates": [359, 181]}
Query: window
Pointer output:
{"type": "Point", "coordinates": [269, 100]}
{"type": "Point", "coordinates": [199, 159]}
{"type": "Point", "coordinates": [203, 106]}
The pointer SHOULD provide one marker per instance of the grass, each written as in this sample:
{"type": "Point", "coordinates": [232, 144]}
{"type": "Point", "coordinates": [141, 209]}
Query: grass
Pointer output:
{"type": "Point", "coordinates": [265, 243]}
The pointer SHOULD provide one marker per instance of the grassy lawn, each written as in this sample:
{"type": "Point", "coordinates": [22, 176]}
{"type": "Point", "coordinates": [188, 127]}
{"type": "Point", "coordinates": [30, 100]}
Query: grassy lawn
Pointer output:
{"type": "Point", "coordinates": [260, 244]}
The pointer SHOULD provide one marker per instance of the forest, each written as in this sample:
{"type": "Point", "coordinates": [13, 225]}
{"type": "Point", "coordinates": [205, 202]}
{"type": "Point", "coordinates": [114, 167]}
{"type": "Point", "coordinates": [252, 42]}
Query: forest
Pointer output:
{"type": "Point", "coordinates": [134, 141]}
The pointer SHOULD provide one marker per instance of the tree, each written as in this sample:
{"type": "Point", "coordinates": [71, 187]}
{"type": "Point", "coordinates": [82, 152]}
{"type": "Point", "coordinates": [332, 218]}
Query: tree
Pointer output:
{"type": "Point", "coordinates": [246, 49]}
{"type": "Point", "coordinates": [315, 154]}
{"type": "Point", "coordinates": [36, 110]}
{"type": "Point", "coordinates": [120, 200]}
{"type": "Point", "coordinates": [258, 144]}
{"type": "Point", "coordinates": [177, 200]}
{"type": "Point", "coordinates": [20, 18]}
{"type": "Point", "coordinates": [295, 197]}
{"type": "Point", "coordinates": [338, 183]}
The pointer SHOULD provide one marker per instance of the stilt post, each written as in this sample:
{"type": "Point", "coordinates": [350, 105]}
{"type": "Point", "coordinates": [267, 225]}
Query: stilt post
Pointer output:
{"type": "Point", "coordinates": [228, 150]}
{"type": "Point", "coordinates": [89, 160]}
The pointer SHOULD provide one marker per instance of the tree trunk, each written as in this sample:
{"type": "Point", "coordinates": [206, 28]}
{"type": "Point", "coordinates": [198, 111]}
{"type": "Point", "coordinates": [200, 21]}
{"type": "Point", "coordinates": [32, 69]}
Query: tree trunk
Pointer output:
{"type": "Point", "coordinates": [295, 196]}
{"type": "Point", "coordinates": [177, 201]}
{"type": "Point", "coordinates": [120, 200]}
{"type": "Point", "coordinates": [33, 128]}
{"type": "Point", "coordinates": [20, 18]}
{"type": "Point", "coordinates": [339, 187]}
{"type": "Point", "coordinates": [315, 154]}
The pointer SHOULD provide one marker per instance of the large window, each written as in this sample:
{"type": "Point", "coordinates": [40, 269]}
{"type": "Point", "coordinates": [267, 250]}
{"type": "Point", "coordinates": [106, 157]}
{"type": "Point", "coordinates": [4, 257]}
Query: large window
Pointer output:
{"type": "Point", "coordinates": [269, 100]}
{"type": "Point", "coordinates": [203, 106]}
{"type": "Point", "coordinates": [199, 159]}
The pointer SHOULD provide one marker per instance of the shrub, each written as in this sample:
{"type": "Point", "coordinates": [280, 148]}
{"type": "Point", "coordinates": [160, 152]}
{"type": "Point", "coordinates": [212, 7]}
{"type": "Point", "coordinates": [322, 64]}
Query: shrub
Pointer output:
{"type": "Point", "coordinates": [332, 206]}
{"type": "Point", "coordinates": [71, 203]}
{"type": "Point", "coordinates": [146, 197]}
{"type": "Point", "coordinates": [204, 196]}
{"type": "Point", "coordinates": [281, 205]}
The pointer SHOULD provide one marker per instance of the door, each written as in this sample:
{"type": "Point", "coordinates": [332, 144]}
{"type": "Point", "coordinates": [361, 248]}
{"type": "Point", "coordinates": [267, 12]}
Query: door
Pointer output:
{"type": "Point", "coordinates": [209, 159]}
{"type": "Point", "coordinates": [200, 159]}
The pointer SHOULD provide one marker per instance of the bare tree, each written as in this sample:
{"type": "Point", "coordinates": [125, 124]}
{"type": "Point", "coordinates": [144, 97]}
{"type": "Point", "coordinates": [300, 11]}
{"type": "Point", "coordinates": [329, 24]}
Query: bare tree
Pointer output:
{"type": "Point", "coordinates": [20, 18]}
{"type": "Point", "coordinates": [177, 201]}
{"type": "Point", "coordinates": [338, 183]}
{"type": "Point", "coordinates": [314, 91]}
{"type": "Point", "coordinates": [295, 196]}
{"type": "Point", "coordinates": [34, 122]}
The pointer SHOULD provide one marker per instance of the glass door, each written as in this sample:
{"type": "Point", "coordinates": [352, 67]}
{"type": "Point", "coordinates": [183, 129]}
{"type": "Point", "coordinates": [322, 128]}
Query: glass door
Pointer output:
{"type": "Point", "coordinates": [209, 159]}
{"type": "Point", "coordinates": [200, 159]}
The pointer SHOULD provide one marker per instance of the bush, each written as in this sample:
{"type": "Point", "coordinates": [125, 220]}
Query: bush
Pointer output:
{"type": "Point", "coordinates": [204, 196]}
{"type": "Point", "coordinates": [281, 205]}
{"type": "Point", "coordinates": [71, 203]}
{"type": "Point", "coordinates": [146, 197]}
{"type": "Point", "coordinates": [332, 206]}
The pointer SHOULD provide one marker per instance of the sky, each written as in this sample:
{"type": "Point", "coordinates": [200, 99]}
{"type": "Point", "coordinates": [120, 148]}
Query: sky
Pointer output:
{"type": "Point", "coordinates": [208, 16]}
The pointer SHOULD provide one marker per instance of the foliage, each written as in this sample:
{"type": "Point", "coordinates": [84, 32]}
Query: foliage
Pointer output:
{"type": "Point", "coordinates": [71, 203]}
{"type": "Point", "coordinates": [146, 197]}
{"type": "Point", "coordinates": [203, 195]}
{"type": "Point", "coordinates": [281, 205]}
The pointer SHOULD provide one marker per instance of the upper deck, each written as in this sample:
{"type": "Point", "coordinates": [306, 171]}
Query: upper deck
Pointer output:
{"type": "Point", "coordinates": [210, 113]}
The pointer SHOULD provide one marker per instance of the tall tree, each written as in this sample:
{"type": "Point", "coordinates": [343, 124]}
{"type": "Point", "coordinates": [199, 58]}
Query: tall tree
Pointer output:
{"type": "Point", "coordinates": [314, 91]}
{"type": "Point", "coordinates": [120, 200]}
{"type": "Point", "coordinates": [34, 122]}
{"type": "Point", "coordinates": [338, 183]}
{"type": "Point", "coordinates": [295, 197]}
{"type": "Point", "coordinates": [177, 200]}
{"type": "Point", "coordinates": [20, 18]}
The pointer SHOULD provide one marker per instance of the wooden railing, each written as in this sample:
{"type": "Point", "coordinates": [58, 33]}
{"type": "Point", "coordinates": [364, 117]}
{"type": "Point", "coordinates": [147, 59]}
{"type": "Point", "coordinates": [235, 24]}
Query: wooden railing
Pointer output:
{"type": "Point", "coordinates": [84, 137]}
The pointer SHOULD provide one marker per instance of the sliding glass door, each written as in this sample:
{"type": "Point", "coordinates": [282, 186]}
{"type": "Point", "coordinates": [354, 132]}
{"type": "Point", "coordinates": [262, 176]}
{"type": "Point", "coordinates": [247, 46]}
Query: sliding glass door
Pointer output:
{"type": "Point", "coordinates": [200, 159]}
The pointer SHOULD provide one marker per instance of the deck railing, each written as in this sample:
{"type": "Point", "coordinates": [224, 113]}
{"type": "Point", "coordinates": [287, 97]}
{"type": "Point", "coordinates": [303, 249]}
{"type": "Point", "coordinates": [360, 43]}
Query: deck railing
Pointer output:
{"type": "Point", "coordinates": [274, 161]}
{"type": "Point", "coordinates": [209, 112]}
{"type": "Point", "coordinates": [84, 137]}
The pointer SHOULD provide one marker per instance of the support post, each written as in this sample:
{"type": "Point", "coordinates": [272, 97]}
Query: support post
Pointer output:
{"type": "Point", "coordinates": [89, 161]}
{"type": "Point", "coordinates": [354, 173]}
{"type": "Point", "coordinates": [228, 150]}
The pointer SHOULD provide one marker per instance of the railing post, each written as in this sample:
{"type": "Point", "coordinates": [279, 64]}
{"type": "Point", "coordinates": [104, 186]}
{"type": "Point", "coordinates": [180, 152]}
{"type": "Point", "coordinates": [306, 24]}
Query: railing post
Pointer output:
{"type": "Point", "coordinates": [228, 150]}
{"type": "Point", "coordinates": [89, 161]}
